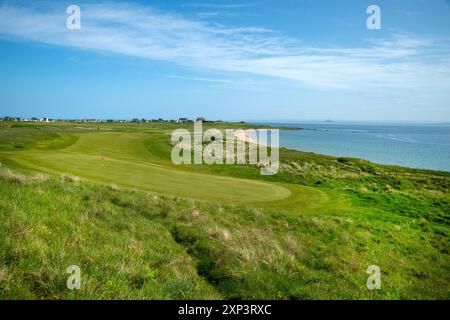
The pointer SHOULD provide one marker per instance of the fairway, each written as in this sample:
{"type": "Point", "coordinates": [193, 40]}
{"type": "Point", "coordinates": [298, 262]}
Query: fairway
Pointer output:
{"type": "Point", "coordinates": [122, 159]}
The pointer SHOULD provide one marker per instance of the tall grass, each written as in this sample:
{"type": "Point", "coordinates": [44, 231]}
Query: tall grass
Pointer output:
{"type": "Point", "coordinates": [133, 244]}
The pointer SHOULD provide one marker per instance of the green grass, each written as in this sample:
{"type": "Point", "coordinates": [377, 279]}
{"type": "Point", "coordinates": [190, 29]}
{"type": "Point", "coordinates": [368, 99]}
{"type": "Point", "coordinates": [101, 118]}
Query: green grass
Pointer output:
{"type": "Point", "coordinates": [122, 254]}
{"type": "Point", "coordinates": [141, 227]}
{"type": "Point", "coordinates": [121, 158]}
{"type": "Point", "coordinates": [23, 137]}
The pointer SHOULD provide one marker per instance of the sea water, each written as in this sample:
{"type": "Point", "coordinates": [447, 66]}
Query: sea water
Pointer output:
{"type": "Point", "coordinates": [425, 146]}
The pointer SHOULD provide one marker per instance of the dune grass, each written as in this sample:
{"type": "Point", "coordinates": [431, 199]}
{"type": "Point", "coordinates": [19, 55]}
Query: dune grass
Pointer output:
{"type": "Point", "coordinates": [133, 244]}
{"type": "Point", "coordinates": [54, 224]}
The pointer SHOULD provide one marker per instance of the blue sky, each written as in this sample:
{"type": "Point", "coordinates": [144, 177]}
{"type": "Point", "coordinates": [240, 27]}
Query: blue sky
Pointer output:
{"type": "Point", "coordinates": [231, 60]}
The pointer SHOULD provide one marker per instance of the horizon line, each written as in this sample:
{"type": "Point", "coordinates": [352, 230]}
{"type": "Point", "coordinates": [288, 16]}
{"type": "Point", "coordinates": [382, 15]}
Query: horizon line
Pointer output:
{"type": "Point", "coordinates": [281, 121]}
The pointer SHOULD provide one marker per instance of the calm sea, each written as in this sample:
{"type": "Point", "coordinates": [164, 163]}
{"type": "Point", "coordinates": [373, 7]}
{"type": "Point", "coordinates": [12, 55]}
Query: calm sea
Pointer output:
{"type": "Point", "coordinates": [424, 146]}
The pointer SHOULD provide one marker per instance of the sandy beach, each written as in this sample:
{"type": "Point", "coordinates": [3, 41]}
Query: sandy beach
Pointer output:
{"type": "Point", "coordinates": [242, 135]}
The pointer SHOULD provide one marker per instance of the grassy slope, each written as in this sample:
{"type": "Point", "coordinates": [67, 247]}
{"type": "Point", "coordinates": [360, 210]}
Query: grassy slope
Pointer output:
{"type": "Point", "coordinates": [342, 216]}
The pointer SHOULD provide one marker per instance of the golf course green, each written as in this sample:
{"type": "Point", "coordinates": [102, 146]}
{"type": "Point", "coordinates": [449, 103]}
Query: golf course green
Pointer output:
{"type": "Point", "coordinates": [121, 158]}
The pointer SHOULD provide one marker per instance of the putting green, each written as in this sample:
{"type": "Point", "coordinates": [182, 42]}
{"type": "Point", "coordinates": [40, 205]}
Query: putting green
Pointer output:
{"type": "Point", "coordinates": [122, 158]}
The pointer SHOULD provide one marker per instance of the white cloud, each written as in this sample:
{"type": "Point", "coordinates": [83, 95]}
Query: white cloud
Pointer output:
{"type": "Point", "coordinates": [400, 62]}
{"type": "Point", "coordinates": [215, 14]}
{"type": "Point", "coordinates": [220, 5]}
{"type": "Point", "coordinates": [202, 79]}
